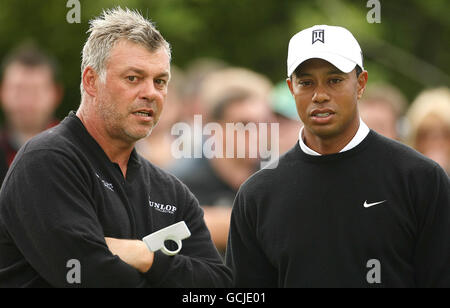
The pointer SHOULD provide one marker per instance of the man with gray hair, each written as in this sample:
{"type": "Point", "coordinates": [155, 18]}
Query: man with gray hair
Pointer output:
{"type": "Point", "coordinates": [78, 199]}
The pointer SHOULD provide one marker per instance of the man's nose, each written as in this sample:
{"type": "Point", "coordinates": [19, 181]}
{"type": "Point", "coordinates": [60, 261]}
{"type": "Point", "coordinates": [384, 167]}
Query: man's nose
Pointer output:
{"type": "Point", "coordinates": [148, 90]}
{"type": "Point", "coordinates": [320, 95]}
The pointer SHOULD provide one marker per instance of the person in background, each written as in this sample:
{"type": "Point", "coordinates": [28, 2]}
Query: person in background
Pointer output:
{"type": "Point", "coordinates": [29, 93]}
{"type": "Point", "coordinates": [429, 125]}
{"type": "Point", "coordinates": [232, 95]}
{"type": "Point", "coordinates": [190, 94]}
{"type": "Point", "coordinates": [382, 108]}
{"type": "Point", "coordinates": [196, 72]}
{"type": "Point", "coordinates": [283, 107]}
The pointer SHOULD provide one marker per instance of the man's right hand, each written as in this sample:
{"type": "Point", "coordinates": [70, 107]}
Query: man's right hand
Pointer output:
{"type": "Point", "coordinates": [132, 252]}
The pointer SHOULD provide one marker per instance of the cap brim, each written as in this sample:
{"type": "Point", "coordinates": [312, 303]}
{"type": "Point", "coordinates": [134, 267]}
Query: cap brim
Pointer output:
{"type": "Point", "coordinates": [343, 64]}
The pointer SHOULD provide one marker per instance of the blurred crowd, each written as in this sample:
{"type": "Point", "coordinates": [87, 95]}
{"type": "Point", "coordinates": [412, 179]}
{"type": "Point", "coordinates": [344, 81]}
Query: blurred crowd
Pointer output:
{"type": "Point", "coordinates": [30, 92]}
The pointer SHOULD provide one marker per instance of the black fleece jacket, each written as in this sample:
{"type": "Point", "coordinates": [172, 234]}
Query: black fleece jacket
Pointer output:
{"type": "Point", "coordinates": [62, 196]}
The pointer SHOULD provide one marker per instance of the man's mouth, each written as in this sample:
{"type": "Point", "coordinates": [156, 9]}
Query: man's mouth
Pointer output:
{"type": "Point", "coordinates": [144, 113]}
{"type": "Point", "coordinates": [322, 116]}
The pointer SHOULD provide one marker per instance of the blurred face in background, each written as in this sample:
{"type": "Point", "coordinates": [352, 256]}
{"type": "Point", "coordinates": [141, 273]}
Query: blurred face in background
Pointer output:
{"type": "Point", "coordinates": [380, 117]}
{"type": "Point", "coordinates": [289, 130]}
{"type": "Point", "coordinates": [433, 140]}
{"type": "Point", "coordinates": [249, 112]}
{"type": "Point", "coordinates": [29, 97]}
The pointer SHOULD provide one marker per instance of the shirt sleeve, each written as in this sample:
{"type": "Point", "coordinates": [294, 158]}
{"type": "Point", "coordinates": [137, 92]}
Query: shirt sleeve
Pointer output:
{"type": "Point", "coordinates": [48, 210]}
{"type": "Point", "coordinates": [198, 264]}
{"type": "Point", "coordinates": [245, 256]}
{"type": "Point", "coordinates": [432, 253]}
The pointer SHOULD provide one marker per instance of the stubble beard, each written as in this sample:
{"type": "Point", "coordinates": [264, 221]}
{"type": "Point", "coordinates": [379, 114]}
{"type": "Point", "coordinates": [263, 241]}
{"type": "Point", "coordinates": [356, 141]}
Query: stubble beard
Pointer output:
{"type": "Point", "coordinates": [116, 123]}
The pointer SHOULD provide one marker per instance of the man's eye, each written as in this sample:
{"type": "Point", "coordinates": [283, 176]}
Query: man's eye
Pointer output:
{"type": "Point", "coordinates": [132, 78]}
{"type": "Point", "coordinates": [305, 83]}
{"type": "Point", "coordinates": [160, 82]}
{"type": "Point", "coordinates": [335, 80]}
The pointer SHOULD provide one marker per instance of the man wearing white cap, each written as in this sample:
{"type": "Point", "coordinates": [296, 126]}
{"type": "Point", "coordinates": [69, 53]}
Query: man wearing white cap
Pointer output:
{"type": "Point", "coordinates": [345, 207]}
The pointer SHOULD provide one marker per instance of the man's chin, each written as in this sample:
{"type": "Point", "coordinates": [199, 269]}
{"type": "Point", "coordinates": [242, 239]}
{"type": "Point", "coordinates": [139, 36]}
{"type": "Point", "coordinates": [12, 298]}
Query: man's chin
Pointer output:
{"type": "Point", "coordinates": [134, 136]}
{"type": "Point", "coordinates": [325, 131]}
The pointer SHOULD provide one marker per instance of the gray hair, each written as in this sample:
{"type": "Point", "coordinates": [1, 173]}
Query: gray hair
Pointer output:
{"type": "Point", "coordinates": [111, 26]}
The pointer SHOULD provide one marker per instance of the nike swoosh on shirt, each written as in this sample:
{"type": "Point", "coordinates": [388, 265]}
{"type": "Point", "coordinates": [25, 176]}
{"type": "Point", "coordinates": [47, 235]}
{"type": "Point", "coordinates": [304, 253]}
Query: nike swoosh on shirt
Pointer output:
{"type": "Point", "coordinates": [366, 205]}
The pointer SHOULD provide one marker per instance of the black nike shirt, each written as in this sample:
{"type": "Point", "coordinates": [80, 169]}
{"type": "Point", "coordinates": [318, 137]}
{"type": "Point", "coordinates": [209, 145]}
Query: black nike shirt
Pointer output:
{"type": "Point", "coordinates": [377, 215]}
{"type": "Point", "coordinates": [62, 196]}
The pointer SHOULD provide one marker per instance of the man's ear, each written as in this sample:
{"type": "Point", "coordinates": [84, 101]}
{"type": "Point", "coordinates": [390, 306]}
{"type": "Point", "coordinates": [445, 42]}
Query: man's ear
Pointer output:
{"type": "Point", "coordinates": [362, 82]}
{"type": "Point", "coordinates": [289, 83]}
{"type": "Point", "coordinates": [90, 80]}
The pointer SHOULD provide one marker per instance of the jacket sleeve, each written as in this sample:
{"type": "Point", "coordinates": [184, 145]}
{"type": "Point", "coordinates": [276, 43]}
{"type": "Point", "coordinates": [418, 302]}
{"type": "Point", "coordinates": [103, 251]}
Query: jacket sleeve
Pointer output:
{"type": "Point", "coordinates": [50, 215]}
{"type": "Point", "coordinates": [198, 264]}
{"type": "Point", "coordinates": [245, 256]}
{"type": "Point", "coordinates": [432, 253]}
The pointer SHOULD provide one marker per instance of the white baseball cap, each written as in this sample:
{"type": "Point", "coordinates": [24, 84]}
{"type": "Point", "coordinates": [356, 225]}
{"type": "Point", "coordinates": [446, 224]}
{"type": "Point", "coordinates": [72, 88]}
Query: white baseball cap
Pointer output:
{"type": "Point", "coordinates": [331, 43]}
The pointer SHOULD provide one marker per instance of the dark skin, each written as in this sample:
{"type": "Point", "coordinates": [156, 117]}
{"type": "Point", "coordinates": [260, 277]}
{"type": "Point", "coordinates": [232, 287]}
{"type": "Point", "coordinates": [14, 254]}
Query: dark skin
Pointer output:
{"type": "Point", "coordinates": [326, 100]}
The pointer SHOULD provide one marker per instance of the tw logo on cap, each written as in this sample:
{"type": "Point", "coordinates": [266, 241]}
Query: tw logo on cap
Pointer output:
{"type": "Point", "coordinates": [318, 35]}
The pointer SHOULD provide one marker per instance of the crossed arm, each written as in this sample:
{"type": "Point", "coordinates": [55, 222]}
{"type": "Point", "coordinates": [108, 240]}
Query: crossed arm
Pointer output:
{"type": "Point", "coordinates": [132, 252]}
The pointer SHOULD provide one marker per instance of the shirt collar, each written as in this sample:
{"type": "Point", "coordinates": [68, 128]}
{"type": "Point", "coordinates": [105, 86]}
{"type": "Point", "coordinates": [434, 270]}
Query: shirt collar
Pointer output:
{"type": "Point", "coordinates": [92, 143]}
{"type": "Point", "coordinates": [362, 133]}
